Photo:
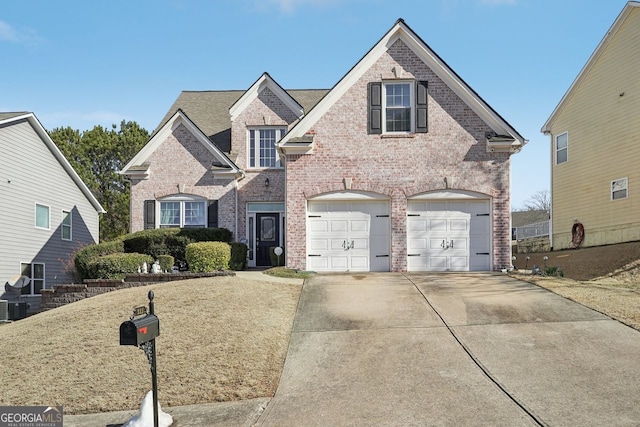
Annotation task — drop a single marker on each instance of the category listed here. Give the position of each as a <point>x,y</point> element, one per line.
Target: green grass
<point>288,273</point>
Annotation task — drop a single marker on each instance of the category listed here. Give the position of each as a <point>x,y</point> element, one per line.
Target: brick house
<point>401,166</point>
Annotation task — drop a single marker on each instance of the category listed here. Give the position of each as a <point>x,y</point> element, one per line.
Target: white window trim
<point>283,132</point>
<point>182,198</point>
<point>48,227</point>
<point>555,148</point>
<point>251,230</point>
<point>44,276</point>
<point>412,105</point>
<point>626,188</point>
<point>63,225</point>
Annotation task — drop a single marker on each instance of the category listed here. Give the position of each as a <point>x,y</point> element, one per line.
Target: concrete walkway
<point>439,350</point>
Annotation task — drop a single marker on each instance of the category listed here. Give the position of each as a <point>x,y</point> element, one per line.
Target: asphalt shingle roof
<point>209,110</point>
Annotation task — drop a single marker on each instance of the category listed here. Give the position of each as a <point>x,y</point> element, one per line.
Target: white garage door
<point>447,235</point>
<point>348,236</point>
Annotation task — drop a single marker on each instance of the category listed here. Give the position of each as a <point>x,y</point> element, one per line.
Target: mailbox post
<point>141,330</point>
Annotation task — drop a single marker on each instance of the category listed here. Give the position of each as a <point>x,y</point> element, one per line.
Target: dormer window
<point>262,147</point>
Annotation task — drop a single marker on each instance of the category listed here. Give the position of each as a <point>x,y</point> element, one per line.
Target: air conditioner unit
<point>4,310</point>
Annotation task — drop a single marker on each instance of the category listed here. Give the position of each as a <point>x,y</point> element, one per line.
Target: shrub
<point>172,241</point>
<point>147,241</point>
<point>166,262</point>
<point>206,234</point>
<point>117,266</point>
<point>553,271</point>
<point>238,256</point>
<point>274,257</point>
<point>86,255</point>
<point>204,257</point>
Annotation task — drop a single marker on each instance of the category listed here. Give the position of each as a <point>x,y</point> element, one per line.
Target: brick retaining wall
<point>61,295</point>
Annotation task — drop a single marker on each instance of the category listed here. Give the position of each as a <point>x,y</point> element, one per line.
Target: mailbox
<point>139,330</point>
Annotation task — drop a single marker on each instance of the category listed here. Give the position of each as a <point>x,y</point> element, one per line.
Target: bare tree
<point>539,201</point>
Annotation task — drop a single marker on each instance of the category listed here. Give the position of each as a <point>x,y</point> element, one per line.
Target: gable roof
<point>8,119</point>
<point>624,14</point>
<point>139,167</point>
<point>209,110</point>
<point>401,31</point>
<point>265,82</point>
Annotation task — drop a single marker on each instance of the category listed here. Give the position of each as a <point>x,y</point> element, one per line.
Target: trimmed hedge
<point>166,262</point>
<point>204,257</point>
<point>172,241</point>
<point>238,256</point>
<point>88,254</point>
<point>117,266</point>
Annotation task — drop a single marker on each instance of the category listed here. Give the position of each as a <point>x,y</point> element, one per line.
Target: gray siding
<point>30,174</point>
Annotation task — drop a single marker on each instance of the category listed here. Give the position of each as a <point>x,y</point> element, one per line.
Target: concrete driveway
<point>453,349</point>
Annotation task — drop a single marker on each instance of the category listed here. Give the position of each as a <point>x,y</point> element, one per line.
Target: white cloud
<point>7,33</point>
<point>23,35</point>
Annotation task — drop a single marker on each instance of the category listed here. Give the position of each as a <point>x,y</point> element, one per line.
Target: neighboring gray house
<point>47,211</point>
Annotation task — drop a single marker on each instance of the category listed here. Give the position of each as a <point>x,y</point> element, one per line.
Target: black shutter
<point>149,214</point>
<point>421,107</point>
<point>212,214</point>
<point>374,124</point>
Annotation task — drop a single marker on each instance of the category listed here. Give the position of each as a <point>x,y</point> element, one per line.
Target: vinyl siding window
<point>619,188</point>
<point>562,148</point>
<point>42,216</point>
<point>65,228</point>
<point>262,147</point>
<point>35,272</point>
<point>398,107</point>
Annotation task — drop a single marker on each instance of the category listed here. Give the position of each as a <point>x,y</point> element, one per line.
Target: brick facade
<point>454,149</point>
<point>451,156</point>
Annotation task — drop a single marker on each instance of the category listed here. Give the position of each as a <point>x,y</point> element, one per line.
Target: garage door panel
<point>359,263</point>
<point>416,225</point>
<point>459,225</point>
<point>319,226</point>
<point>319,244</point>
<point>361,225</point>
<point>438,225</point>
<point>457,234</point>
<point>339,263</point>
<point>438,262</point>
<point>355,236</point>
<point>338,226</point>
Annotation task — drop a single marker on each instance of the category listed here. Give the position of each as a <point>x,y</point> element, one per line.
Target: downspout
<point>235,231</point>
<point>548,132</point>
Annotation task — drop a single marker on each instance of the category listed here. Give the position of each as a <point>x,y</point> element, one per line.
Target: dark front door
<point>267,236</point>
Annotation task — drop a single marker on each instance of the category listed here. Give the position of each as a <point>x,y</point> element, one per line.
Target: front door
<point>267,236</point>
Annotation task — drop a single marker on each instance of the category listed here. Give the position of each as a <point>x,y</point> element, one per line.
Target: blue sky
<point>86,63</point>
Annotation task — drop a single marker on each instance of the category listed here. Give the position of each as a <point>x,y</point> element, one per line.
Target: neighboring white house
<point>46,213</point>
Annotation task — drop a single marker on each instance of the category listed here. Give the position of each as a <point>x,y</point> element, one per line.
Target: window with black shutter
<point>149,214</point>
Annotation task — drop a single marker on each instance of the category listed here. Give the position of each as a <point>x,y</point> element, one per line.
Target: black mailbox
<point>140,330</point>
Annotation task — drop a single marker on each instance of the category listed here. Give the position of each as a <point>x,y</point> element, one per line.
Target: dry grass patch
<point>221,338</point>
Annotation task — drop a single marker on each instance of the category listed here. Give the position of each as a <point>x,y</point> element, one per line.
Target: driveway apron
<point>452,349</point>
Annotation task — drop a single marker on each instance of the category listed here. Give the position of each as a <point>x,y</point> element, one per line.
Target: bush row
<point>168,246</point>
